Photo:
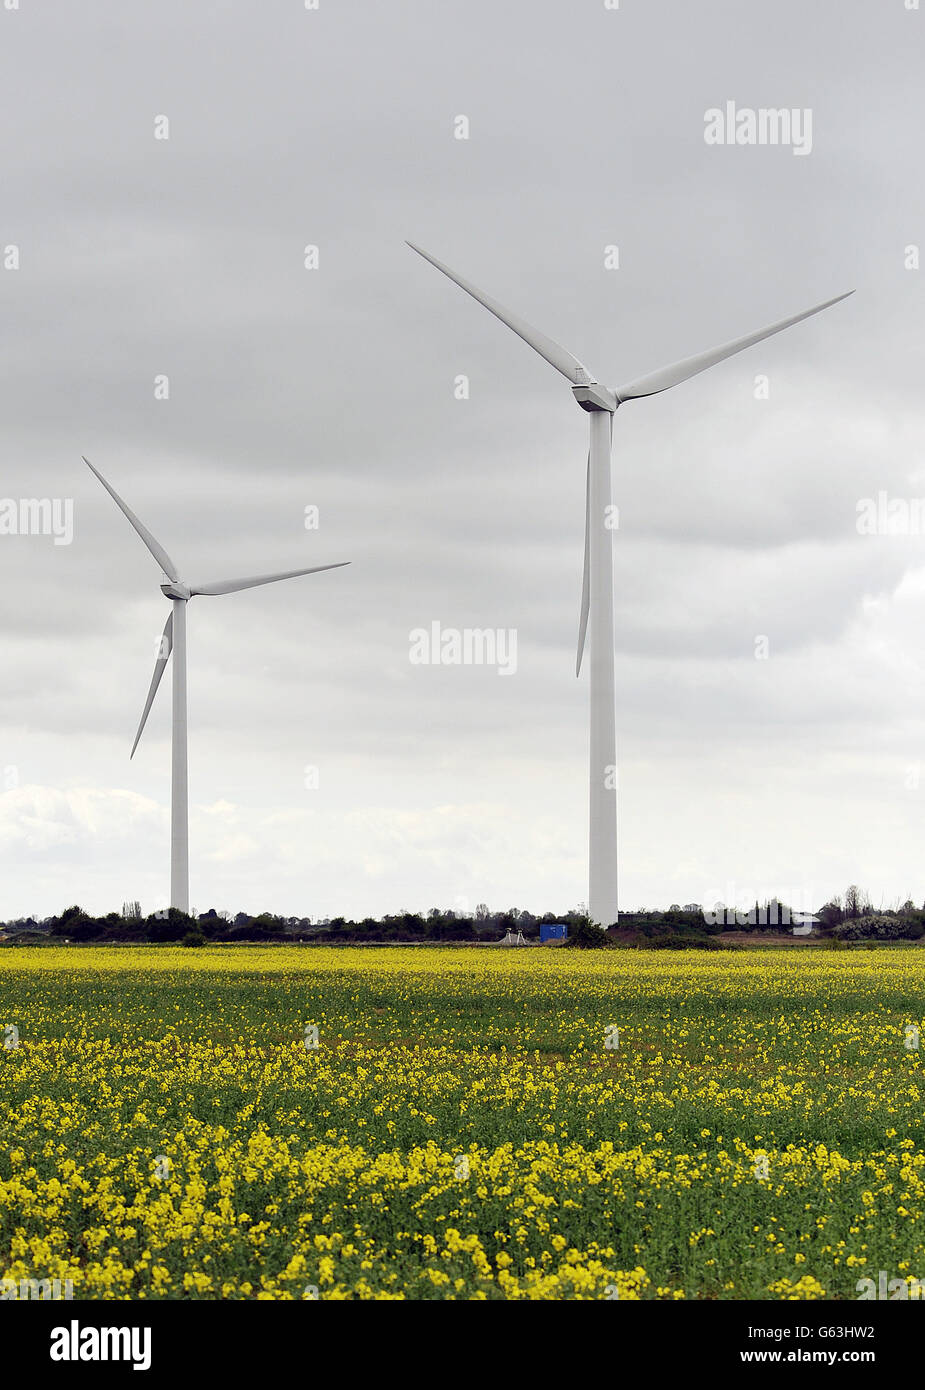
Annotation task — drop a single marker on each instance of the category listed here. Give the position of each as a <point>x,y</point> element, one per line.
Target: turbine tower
<point>174,640</point>
<point>601,403</point>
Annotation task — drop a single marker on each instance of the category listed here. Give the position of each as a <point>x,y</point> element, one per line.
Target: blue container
<point>553,931</point>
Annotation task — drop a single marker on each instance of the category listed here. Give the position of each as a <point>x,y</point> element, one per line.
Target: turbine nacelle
<point>175,590</point>
<point>593,396</point>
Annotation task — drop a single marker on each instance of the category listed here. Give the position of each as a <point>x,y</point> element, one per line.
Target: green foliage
<point>586,936</point>
<point>879,927</point>
<point>671,929</point>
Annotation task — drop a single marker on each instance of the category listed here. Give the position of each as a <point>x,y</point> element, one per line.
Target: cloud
<point>335,388</point>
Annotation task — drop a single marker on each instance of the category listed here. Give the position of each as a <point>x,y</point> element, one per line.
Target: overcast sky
<point>334,388</point>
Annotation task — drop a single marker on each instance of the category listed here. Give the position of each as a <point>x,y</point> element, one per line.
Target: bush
<point>877,927</point>
<point>585,936</point>
<point>172,927</point>
<point>194,938</point>
<point>884,928</point>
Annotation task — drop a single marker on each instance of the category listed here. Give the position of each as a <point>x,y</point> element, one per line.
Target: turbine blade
<point>690,366</point>
<point>231,586</point>
<point>160,664</point>
<point>586,576</point>
<point>556,355</point>
<point>156,549</point>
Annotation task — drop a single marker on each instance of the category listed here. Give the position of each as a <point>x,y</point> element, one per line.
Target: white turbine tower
<point>174,640</point>
<point>597,588</point>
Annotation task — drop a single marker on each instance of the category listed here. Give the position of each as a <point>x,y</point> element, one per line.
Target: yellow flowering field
<point>464,1124</point>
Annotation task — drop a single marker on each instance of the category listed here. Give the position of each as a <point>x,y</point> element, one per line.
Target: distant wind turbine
<point>174,640</point>
<point>597,587</point>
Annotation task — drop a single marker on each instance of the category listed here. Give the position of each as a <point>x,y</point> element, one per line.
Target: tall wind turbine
<point>174,640</point>
<point>601,402</point>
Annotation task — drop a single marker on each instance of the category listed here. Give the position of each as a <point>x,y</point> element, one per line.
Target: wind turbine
<point>601,402</point>
<point>174,640</point>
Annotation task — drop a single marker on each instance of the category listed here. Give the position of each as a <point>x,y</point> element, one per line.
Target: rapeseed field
<point>286,1123</point>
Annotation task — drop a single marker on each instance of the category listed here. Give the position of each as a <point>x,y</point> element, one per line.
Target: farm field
<point>462,1130</point>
